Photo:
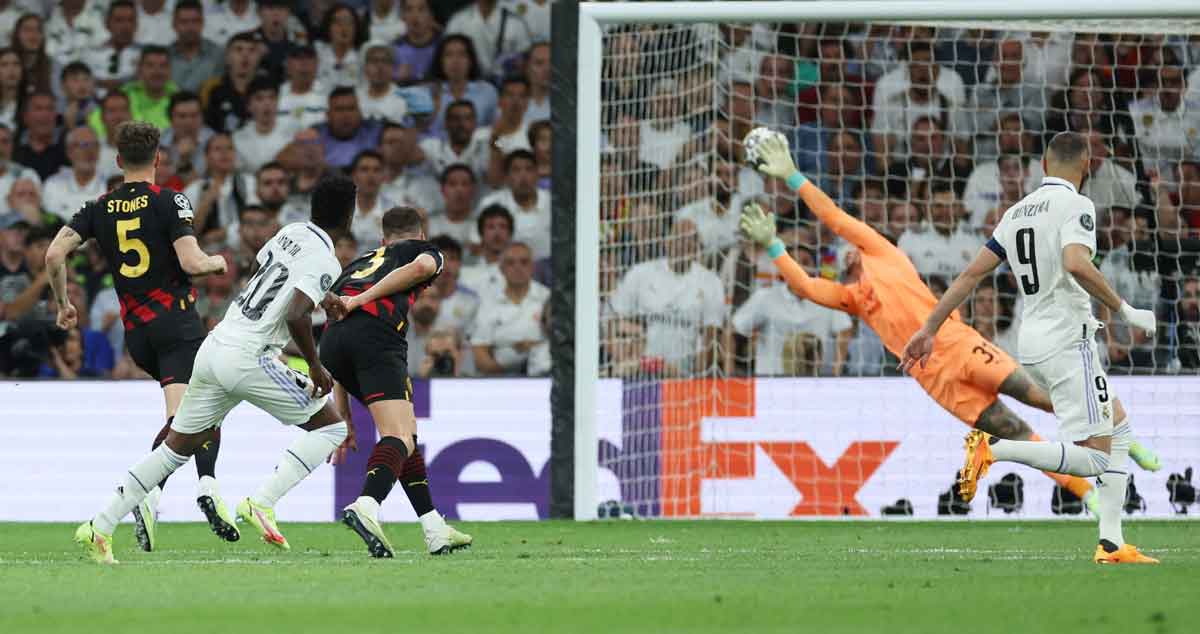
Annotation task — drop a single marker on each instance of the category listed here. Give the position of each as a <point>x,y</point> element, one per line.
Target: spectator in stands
<point>1108,184</point>
<point>969,52</point>
<point>304,159</point>
<point>708,190</point>
<point>993,184</point>
<point>37,59</point>
<point>273,189</point>
<point>41,148</point>
<point>226,98</point>
<point>12,86</point>
<point>187,137</point>
<point>378,95</point>
<point>222,192</point>
<point>930,161</point>
<point>508,324</point>
<point>408,177</point>
<point>495,227</point>
<point>1004,89</point>
<point>983,190</point>
<point>260,140</point>
<point>774,314</point>
<point>303,102</point>
<point>464,142</point>
<point>384,20</point>
<point>774,106</point>
<point>443,356</point>
<point>255,226</point>
<point>902,217</point>
<point>529,206</point>
<point>279,32</point>
<point>24,294</point>
<point>113,111</point>
<point>115,61</point>
<point>25,200</point>
<point>1189,193</point>
<point>78,92</point>
<point>1087,104</point>
<point>1132,270</point>
<point>68,361</point>
<point>367,172</point>
<point>508,133</point>
<point>992,319</point>
<point>346,133</point>
<point>223,20</point>
<point>622,87</point>
<point>11,172</point>
<point>1047,59</point>
<point>150,94</point>
<point>75,27</point>
<point>153,23</point>
<point>460,305</point>
<point>345,247</point>
<point>842,167</point>
<point>497,31</point>
<point>1189,323</point>
<point>456,74</point>
<point>14,275</point>
<point>415,50</point>
<point>925,95</point>
<point>537,73</point>
<point>810,140</point>
<point>423,314</point>
<point>673,306</point>
<point>459,188</point>
<point>194,58</point>
<point>69,189</point>
<point>1167,121</point>
<point>338,43</point>
<point>834,71</point>
<point>942,248</point>
<point>663,134</point>
<point>541,140</point>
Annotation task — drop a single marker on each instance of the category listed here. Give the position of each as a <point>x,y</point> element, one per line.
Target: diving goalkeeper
<point>966,373</point>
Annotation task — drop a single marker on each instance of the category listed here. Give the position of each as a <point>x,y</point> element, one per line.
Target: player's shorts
<point>1078,389</point>
<point>226,375</point>
<point>965,372</point>
<point>367,358</point>
<point>166,347</point>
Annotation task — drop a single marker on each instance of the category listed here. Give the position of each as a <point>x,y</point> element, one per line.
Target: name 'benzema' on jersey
<point>1031,237</point>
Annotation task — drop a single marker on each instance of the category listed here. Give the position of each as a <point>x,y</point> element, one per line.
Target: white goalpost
<point>678,411</point>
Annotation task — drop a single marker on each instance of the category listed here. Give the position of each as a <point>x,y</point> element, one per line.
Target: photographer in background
<point>443,355</point>
<point>422,315</point>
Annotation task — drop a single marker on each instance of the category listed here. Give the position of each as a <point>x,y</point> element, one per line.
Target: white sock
<point>153,497</point>
<point>306,454</point>
<point>1111,486</point>
<point>1059,457</point>
<point>139,481</point>
<point>431,521</point>
<point>207,486</point>
<point>369,505</point>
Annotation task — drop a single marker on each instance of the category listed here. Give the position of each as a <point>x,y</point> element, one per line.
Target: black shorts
<point>367,358</point>
<point>166,347</point>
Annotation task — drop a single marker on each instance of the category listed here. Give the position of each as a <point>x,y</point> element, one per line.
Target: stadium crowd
<point>439,104</point>
<point>927,135</point>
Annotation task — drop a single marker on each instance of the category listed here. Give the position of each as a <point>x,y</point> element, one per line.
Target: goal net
<point>739,399</point>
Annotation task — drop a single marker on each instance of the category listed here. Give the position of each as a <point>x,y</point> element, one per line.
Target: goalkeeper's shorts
<point>965,372</point>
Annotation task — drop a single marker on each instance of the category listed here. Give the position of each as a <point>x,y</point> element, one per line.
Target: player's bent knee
<point>186,444</point>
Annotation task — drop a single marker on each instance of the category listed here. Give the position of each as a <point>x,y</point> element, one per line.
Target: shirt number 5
<point>126,244</point>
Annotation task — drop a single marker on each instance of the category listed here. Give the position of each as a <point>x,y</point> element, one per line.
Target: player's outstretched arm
<point>63,244</point>
<point>1077,260</point>
<point>759,227</point>
<point>194,261</point>
<point>770,154</point>
<point>398,281</point>
<point>299,323</point>
<point>920,346</point>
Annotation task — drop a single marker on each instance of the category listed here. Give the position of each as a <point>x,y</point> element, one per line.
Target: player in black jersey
<point>367,354</point>
<point>145,234</point>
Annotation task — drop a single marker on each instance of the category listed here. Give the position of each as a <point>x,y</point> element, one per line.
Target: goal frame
<point>594,16</point>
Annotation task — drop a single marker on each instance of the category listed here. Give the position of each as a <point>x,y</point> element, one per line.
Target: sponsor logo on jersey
<point>184,205</point>
<point>326,282</point>
<point>1086,222</point>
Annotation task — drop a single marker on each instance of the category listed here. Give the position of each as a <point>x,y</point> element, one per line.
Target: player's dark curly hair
<point>402,220</point>
<point>333,203</point>
<point>137,143</point>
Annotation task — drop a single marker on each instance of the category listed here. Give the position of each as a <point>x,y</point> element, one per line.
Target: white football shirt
<point>299,257</point>
<point>1031,236</point>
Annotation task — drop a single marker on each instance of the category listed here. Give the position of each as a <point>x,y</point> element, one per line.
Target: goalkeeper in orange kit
<point>966,374</point>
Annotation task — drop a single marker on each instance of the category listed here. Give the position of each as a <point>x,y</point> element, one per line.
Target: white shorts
<point>225,375</point>
<point>1079,391</point>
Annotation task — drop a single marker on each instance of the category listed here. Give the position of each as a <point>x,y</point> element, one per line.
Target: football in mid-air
<point>753,142</point>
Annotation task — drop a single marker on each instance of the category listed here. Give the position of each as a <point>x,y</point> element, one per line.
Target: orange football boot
<point>1127,554</point>
<point>979,458</point>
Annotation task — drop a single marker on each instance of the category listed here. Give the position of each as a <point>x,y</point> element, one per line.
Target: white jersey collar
<point>1054,180</point>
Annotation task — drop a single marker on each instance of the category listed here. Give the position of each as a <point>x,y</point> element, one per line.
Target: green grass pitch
<point>685,577</point>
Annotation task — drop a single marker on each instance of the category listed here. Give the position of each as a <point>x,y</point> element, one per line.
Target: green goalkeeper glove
<point>771,153</point>
<point>758,225</point>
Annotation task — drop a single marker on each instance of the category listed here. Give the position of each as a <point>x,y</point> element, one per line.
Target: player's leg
<point>287,395</point>
<point>440,537</point>
<point>396,422</point>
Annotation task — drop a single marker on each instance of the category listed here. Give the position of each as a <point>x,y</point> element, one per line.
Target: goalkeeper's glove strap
<point>776,248</point>
<point>796,180</point>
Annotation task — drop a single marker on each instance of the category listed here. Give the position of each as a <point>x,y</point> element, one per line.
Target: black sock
<point>206,455</point>
<point>383,467</point>
<point>415,482</point>
<point>158,440</point>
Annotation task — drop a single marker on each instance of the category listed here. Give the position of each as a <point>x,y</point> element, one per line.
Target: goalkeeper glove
<point>1143,320</point>
<point>758,225</point>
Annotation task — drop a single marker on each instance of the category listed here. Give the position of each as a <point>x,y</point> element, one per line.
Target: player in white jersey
<point>1048,240</point>
<point>239,361</point>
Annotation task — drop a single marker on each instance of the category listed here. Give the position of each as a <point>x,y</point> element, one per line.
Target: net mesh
<point>926,133</point>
